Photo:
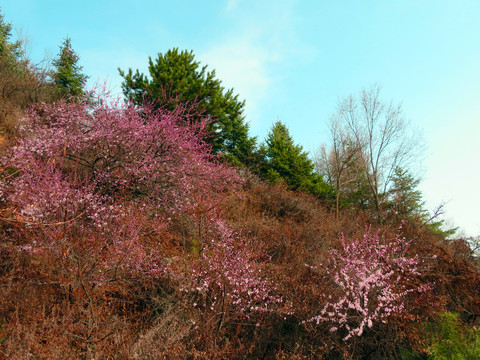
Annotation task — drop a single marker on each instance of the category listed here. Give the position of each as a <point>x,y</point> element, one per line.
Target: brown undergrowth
<point>41,318</point>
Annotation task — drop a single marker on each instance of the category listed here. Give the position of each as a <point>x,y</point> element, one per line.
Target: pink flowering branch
<point>110,172</point>
<point>228,274</point>
<point>371,275</point>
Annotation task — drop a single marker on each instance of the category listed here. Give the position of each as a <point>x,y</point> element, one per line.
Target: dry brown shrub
<point>144,320</point>
<point>168,338</point>
<point>21,84</point>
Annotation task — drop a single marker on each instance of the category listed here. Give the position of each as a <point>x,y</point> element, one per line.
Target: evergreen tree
<point>406,201</point>
<point>288,162</point>
<point>68,76</point>
<point>9,51</point>
<point>404,196</point>
<point>178,74</point>
<point>21,83</point>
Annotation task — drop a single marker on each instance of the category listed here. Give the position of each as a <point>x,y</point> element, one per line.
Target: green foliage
<point>405,200</point>
<point>449,338</point>
<point>404,196</point>
<point>178,74</point>
<point>288,162</point>
<point>356,191</point>
<point>68,76</point>
<point>21,83</point>
<point>9,50</point>
<point>13,63</point>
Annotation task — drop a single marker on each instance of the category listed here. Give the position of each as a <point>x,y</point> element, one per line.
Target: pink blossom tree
<point>90,168</point>
<point>93,187</point>
<point>372,276</point>
<point>229,276</point>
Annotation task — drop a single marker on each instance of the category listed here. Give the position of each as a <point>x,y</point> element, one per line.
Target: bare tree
<point>340,165</point>
<point>372,135</point>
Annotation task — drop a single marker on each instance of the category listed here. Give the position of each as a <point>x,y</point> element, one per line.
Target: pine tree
<point>288,162</point>
<point>68,76</point>
<point>404,196</point>
<point>405,200</point>
<point>10,51</point>
<point>175,77</point>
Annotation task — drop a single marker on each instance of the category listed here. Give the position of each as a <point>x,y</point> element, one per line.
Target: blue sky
<point>292,60</point>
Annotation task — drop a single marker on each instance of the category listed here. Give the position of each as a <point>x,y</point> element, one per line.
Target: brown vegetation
<point>142,320</point>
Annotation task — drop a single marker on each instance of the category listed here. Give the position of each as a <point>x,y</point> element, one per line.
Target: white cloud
<point>241,65</point>
<point>231,4</point>
<point>261,37</point>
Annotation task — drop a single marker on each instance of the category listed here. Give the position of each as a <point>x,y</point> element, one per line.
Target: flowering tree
<point>92,185</point>
<point>232,265</point>
<point>372,277</point>
<point>227,277</point>
<point>83,168</point>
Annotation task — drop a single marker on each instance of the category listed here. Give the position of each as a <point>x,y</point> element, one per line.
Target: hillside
<point>128,233</point>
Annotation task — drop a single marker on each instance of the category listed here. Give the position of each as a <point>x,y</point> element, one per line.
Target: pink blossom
<point>372,274</point>
<point>96,178</point>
